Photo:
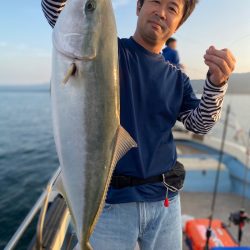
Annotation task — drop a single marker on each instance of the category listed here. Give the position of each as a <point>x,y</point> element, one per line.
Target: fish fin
<point>59,188</point>
<point>58,185</point>
<point>71,71</point>
<point>88,246</point>
<point>124,142</point>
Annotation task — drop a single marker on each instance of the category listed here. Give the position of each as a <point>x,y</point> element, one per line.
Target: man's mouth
<point>156,25</point>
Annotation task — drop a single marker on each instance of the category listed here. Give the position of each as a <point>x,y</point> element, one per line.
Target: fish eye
<point>90,6</point>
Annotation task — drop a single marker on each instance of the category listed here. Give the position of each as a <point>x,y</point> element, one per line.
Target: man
<point>154,94</point>
<point>170,53</point>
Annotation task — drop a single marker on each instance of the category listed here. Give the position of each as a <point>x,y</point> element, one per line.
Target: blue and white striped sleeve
<point>52,9</point>
<point>201,119</point>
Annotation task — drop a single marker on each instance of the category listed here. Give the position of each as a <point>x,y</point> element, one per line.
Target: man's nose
<point>161,12</point>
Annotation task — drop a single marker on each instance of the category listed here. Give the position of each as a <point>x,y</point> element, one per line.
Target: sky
<point>25,37</point>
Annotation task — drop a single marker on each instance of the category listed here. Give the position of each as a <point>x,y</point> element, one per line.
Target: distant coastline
<point>45,87</point>
<point>239,83</point>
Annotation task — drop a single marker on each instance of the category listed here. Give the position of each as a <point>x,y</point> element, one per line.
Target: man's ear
<point>138,7</point>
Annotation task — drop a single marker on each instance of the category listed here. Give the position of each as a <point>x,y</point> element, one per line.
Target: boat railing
<point>28,219</point>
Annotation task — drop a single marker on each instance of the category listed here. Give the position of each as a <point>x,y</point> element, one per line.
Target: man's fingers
<point>213,68</point>
<point>217,77</point>
<point>219,62</point>
<point>224,54</point>
<point>230,54</point>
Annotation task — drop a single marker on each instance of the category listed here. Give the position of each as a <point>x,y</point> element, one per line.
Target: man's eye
<point>156,1</point>
<point>173,10</point>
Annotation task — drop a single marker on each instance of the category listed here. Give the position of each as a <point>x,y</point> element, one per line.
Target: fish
<point>85,101</point>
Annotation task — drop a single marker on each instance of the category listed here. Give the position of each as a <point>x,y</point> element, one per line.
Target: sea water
<point>28,156</point>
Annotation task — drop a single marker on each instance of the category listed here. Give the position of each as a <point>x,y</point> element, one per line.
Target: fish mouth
<point>89,57</point>
<point>72,48</point>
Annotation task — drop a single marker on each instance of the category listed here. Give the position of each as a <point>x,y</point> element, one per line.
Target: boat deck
<point>199,205</point>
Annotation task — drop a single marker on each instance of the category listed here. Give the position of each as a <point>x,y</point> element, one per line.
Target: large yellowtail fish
<point>86,108</point>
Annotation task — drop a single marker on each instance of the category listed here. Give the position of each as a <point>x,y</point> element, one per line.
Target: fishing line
<point>209,231</point>
<point>238,40</point>
<point>243,202</point>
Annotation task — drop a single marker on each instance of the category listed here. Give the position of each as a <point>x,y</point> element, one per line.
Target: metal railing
<point>28,219</point>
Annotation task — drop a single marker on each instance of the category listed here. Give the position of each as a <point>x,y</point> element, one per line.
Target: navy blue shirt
<point>152,93</point>
<point>171,56</point>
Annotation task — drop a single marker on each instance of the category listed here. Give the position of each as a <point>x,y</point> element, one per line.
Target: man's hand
<point>221,64</point>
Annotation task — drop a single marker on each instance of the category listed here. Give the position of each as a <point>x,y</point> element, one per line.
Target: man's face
<point>173,45</point>
<point>159,19</point>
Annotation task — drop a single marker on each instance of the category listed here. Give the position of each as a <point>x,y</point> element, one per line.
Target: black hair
<point>170,40</point>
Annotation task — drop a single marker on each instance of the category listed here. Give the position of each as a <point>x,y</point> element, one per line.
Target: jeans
<point>152,225</point>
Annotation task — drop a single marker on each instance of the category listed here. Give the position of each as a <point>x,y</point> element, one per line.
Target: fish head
<point>91,23</point>
<point>79,28</point>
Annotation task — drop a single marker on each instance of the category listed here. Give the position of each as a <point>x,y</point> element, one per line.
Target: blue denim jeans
<point>152,225</point>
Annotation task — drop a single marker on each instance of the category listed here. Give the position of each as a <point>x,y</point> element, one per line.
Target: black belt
<point>122,181</point>
<point>172,179</point>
